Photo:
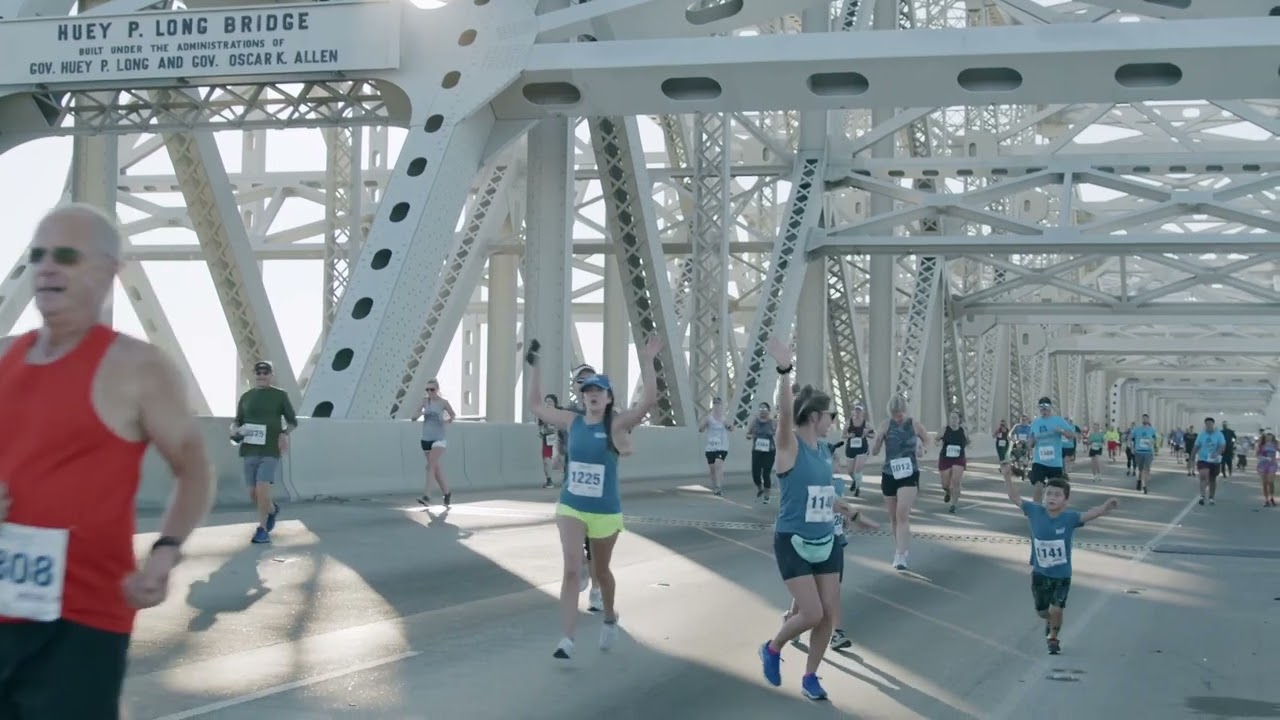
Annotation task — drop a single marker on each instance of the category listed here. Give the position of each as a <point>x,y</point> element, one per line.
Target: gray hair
<point>897,404</point>
<point>104,233</point>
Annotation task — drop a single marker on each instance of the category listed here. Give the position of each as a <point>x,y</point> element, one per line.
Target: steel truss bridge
<point>973,202</point>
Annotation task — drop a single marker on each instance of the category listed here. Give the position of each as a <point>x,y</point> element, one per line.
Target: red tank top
<point>65,469</point>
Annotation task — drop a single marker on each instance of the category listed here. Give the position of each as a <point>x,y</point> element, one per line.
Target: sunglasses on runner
<point>61,255</point>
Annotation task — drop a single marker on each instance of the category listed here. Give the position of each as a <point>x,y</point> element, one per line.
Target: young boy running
<point>1052,527</point>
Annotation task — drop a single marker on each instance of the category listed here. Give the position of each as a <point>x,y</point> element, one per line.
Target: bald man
<point>81,405</point>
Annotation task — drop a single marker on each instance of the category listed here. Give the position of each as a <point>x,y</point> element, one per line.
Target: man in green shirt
<point>263,439</point>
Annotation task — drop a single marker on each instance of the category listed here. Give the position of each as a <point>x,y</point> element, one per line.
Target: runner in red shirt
<point>81,404</point>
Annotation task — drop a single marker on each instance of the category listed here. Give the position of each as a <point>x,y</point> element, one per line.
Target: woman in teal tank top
<point>590,507</point>
<point>804,539</point>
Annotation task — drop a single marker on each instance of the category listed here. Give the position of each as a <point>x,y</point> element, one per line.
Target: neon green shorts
<point>599,525</point>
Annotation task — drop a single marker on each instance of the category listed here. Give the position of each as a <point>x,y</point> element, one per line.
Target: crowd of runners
<point>70,585</point>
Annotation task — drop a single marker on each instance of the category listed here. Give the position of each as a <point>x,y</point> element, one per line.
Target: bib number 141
<point>32,571</point>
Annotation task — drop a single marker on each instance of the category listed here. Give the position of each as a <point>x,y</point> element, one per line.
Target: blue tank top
<point>807,507</point>
<point>591,484</point>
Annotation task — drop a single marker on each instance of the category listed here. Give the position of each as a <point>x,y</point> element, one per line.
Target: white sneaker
<point>564,649</point>
<point>596,600</point>
<point>584,580</point>
<point>608,635</point>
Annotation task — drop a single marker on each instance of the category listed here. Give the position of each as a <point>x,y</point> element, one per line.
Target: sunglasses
<point>65,256</point>
<point>261,372</point>
<point>433,389</point>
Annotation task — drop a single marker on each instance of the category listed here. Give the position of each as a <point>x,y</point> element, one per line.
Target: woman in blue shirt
<point>590,500</point>
<point>804,538</point>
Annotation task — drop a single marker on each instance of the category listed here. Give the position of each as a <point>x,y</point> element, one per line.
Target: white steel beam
<point>634,233</point>
<point>454,283</point>
<point>1063,240</point>
<point>1168,313</point>
<point>1217,346</point>
<point>639,19</point>
<point>1191,9</point>
<point>215,217</point>
<point>709,338</point>
<point>1192,161</point>
<point>1120,62</point>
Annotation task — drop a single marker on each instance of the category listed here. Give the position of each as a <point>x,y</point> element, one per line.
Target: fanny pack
<point>813,551</point>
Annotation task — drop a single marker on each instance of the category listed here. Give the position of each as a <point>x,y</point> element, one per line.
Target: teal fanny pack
<point>813,551</point>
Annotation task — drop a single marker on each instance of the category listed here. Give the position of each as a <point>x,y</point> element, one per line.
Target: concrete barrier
<point>350,458</point>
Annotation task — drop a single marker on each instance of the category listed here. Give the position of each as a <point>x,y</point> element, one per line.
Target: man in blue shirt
<point>1144,445</point>
<point>1209,446</point>
<point>1047,433</point>
<point>1052,528</point>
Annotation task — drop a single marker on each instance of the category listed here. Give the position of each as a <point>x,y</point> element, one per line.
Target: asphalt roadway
<point>376,608</point>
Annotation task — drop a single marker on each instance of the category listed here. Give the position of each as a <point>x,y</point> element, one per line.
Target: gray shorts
<point>1142,461</point>
<point>260,469</point>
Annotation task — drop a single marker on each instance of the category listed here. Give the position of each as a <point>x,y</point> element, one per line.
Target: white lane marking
<point>1040,667</point>
<point>277,689</point>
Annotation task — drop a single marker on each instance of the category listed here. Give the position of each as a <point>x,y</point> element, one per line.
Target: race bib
<point>1050,553</point>
<point>715,444</point>
<point>901,468</point>
<point>855,443</point>
<point>550,440</point>
<point>33,568</point>
<point>763,445</point>
<point>821,507</point>
<point>1144,444</point>
<point>254,434</point>
<point>1001,443</point>
<point>1045,453</point>
<point>953,451</point>
<point>586,479</point>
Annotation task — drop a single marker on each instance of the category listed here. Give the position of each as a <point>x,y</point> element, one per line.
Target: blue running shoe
<point>810,688</point>
<point>271,517</point>
<point>772,665</point>
<point>261,536</point>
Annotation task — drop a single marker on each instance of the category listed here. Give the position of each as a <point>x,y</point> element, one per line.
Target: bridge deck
<point>375,609</point>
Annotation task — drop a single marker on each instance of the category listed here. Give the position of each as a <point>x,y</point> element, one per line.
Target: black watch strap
<point>167,541</point>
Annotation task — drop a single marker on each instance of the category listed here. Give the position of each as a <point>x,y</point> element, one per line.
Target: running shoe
<point>811,688</point>
<point>271,516</point>
<point>772,662</point>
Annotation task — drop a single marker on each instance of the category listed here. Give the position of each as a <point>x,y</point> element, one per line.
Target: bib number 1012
<point>22,569</point>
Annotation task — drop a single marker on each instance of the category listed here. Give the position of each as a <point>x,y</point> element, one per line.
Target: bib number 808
<point>20,569</point>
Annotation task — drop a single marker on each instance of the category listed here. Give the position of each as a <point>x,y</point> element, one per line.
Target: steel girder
<point>780,292</point>
<point>710,338</point>
<point>634,234</point>
<point>215,217</point>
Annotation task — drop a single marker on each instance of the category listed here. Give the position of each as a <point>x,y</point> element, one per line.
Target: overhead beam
<point>1120,62</point>
<point>1063,240</point>
<point>1169,313</point>
<point>1101,345</point>
<point>1189,162</point>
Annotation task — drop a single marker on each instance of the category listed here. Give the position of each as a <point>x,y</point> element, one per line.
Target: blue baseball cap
<point>599,381</point>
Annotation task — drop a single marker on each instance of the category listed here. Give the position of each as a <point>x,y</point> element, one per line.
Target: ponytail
<point>608,425</point>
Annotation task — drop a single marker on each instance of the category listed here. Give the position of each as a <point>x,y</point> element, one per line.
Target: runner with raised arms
<point>591,501</point>
<point>804,542</point>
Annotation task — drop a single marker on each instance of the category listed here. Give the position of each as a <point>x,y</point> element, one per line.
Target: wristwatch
<point>168,541</point>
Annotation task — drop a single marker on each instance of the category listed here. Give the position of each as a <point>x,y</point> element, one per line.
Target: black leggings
<point>762,469</point>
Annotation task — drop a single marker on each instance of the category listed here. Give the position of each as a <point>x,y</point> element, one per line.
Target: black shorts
<point>791,565</point>
<point>855,452</point>
<point>1049,591</point>
<point>1041,473</point>
<point>1002,453</point>
<point>60,670</point>
<point>428,444</point>
<point>889,486</point>
<point>1213,468</point>
<point>1095,452</point>
<point>1069,453</point>
<point>721,455</point>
